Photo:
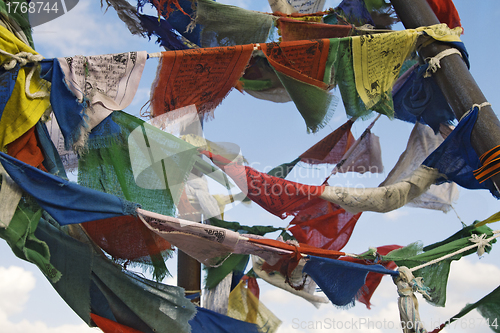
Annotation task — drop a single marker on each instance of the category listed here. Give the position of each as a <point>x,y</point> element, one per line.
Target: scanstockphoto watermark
<point>364,324</point>
<point>39,11</point>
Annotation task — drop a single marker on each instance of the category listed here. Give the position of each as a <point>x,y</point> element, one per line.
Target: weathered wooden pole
<point>458,86</point>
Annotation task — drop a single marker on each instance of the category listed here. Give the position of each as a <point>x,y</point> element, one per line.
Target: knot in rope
<point>478,106</point>
<point>434,62</point>
<point>408,284</point>
<point>21,58</point>
<point>481,242</point>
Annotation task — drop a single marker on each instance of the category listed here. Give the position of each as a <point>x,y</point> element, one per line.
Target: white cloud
<point>395,215</point>
<point>84,30</point>
<point>15,286</point>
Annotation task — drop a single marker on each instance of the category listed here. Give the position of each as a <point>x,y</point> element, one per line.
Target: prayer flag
<point>244,306</point>
<point>421,143</point>
<point>197,76</point>
<point>21,112</point>
<point>341,280</point>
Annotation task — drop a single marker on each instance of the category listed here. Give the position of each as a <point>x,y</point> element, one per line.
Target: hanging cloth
<point>420,99</point>
<point>90,282</point>
<point>446,12</point>
<point>21,111</point>
<point>456,159</point>
<point>278,196</point>
<point>200,76</point>
<point>488,307</point>
<point>436,275</point>
<point>244,306</point>
<point>385,198</point>
<point>101,84</point>
<point>298,6</point>
<point>7,82</point>
<point>303,70</point>
<point>67,202</point>
<point>166,35</point>
<point>225,25</point>
<point>355,12</point>
<point>373,279</point>
<point>20,235</point>
<point>324,225</point>
<point>421,143</point>
<point>109,326</point>
<point>278,280</point>
<point>207,321</point>
<point>291,29</point>
<point>332,148</point>
<point>364,155</point>
<point>341,280</point>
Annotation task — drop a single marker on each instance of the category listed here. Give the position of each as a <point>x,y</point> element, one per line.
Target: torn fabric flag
<point>420,99</point>
<point>225,25</point>
<point>300,6</point>
<point>92,283</point>
<point>421,143</point>
<point>208,244</point>
<point>278,280</point>
<point>65,201</point>
<point>167,36</point>
<point>278,196</point>
<point>341,280</point>
<point>332,148</point>
<point>456,159</point>
<point>102,84</point>
<point>304,71</point>
<point>110,326</point>
<point>291,29</point>
<point>20,235</point>
<point>382,199</point>
<point>244,306</point>
<point>324,225</point>
<point>355,12</point>
<point>446,12</point>
<point>207,321</point>
<point>21,112</point>
<point>7,83</point>
<point>488,307</point>
<point>373,279</point>
<point>436,275</point>
<point>364,155</point>
<point>199,76</point>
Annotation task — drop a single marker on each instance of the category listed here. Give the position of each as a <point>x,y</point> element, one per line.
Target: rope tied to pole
<point>434,62</point>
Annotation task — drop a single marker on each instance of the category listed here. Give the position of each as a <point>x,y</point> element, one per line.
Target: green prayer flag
<point>436,275</point>
<point>20,235</point>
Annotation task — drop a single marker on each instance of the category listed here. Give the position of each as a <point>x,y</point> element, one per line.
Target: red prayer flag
<point>324,225</point>
<point>278,196</point>
<point>446,12</point>
<point>201,76</point>
<point>332,148</point>
<point>109,326</point>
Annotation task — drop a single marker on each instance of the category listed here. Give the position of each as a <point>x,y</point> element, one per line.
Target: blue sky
<point>270,134</point>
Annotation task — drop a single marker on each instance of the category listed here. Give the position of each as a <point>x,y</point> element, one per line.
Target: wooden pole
<point>457,84</point>
<point>188,268</point>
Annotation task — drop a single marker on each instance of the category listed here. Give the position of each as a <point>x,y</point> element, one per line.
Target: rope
<point>479,106</point>
<point>24,58</point>
<point>434,62</point>
<point>479,241</point>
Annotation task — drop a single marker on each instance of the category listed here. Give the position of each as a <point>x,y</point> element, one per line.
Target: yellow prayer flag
<point>243,305</point>
<point>21,112</point>
<point>378,58</point>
